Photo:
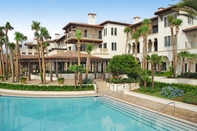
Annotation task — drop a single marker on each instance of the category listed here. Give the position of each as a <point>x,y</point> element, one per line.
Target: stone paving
<point>150,104</point>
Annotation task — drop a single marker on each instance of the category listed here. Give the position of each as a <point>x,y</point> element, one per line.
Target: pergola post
<point>29,71</point>
<point>51,74</point>
<point>56,69</point>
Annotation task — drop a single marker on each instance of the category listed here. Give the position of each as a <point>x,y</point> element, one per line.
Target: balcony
<point>100,51</point>
<point>28,51</point>
<point>191,44</point>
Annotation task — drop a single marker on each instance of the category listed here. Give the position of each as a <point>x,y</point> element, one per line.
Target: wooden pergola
<point>69,56</point>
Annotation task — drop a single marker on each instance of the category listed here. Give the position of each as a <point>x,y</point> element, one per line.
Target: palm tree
<point>78,35</point>
<point>186,8</point>
<point>36,27</point>
<point>2,42</point>
<point>19,37</point>
<point>136,36</point>
<point>46,44</point>
<point>183,55</point>
<point>89,48</point>
<point>159,61</point>
<point>177,23</point>
<point>43,35</point>
<point>127,31</point>
<point>144,30</point>
<point>171,22</point>
<point>7,27</point>
<point>11,46</point>
<point>152,59</point>
<point>191,58</point>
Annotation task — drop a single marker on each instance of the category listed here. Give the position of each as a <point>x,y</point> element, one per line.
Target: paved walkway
<point>183,110</point>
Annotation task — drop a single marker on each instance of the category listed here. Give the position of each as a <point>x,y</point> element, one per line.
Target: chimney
<point>160,8</point>
<point>136,19</point>
<point>57,36</point>
<point>92,19</point>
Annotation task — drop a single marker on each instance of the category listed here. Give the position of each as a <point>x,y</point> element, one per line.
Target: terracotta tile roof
<point>194,28</point>
<point>28,57</point>
<point>114,22</point>
<point>163,10</point>
<point>82,25</point>
<point>139,23</point>
<point>70,54</point>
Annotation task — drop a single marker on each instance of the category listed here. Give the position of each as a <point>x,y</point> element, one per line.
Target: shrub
<point>190,97</point>
<point>60,80</point>
<point>23,79</point>
<point>171,92</point>
<point>87,81</point>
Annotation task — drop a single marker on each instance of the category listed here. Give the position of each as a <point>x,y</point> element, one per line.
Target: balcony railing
<point>100,50</point>
<point>191,44</point>
<point>88,35</point>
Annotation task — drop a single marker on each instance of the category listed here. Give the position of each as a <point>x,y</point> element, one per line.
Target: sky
<point>55,14</point>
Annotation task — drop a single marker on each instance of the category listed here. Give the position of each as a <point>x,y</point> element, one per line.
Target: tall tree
<point>36,27</point>
<point>152,59</point>
<point>2,42</point>
<point>43,35</point>
<point>78,35</point>
<point>7,27</point>
<point>171,23</point>
<point>191,57</point>
<point>183,55</point>
<point>127,31</point>
<point>136,36</point>
<point>11,46</point>
<point>186,8</point>
<point>144,30</point>
<point>19,37</point>
<point>89,48</point>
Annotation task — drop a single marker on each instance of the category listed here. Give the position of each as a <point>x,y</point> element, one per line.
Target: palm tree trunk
<point>40,66</point>
<point>12,65</point>
<point>43,64</point>
<point>152,71</point>
<point>173,53</point>
<point>2,60</point>
<point>87,67</point>
<point>6,49</point>
<point>190,65</point>
<point>16,62</point>
<point>79,60</point>
<point>126,43</point>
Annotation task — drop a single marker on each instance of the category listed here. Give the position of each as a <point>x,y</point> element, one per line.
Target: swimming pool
<point>80,114</point>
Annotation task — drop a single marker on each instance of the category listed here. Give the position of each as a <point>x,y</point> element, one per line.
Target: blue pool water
<point>79,114</point>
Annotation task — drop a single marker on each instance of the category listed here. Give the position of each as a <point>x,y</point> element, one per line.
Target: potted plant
<point>23,80</point>
<point>2,78</point>
<point>60,80</point>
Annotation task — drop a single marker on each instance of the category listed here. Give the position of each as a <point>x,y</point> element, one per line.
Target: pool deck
<point>182,110</point>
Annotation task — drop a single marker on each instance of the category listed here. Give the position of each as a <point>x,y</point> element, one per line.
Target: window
<point>104,45</point>
<point>113,46</point>
<point>165,22</point>
<point>83,47</point>
<point>167,41</point>
<point>100,45</point>
<point>112,31</point>
<point>106,31</point>
<point>190,20</point>
<point>163,66</point>
<point>155,29</point>
<point>115,31</point>
<point>100,34</point>
<point>85,33</point>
